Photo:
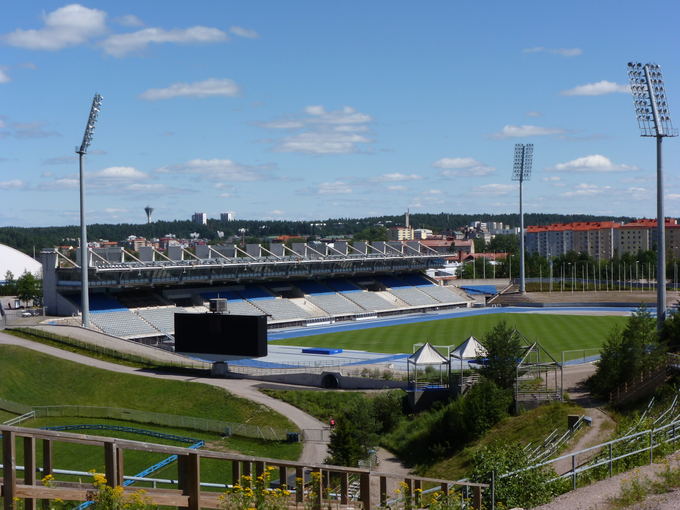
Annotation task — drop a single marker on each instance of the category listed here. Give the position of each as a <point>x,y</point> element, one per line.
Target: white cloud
<point>12,184</point>
<point>323,131</point>
<point>244,32</point>
<point>217,170</point>
<point>553,178</point>
<point>207,88</point>
<point>334,188</point>
<point>564,52</point>
<point>397,187</point>
<point>117,173</point>
<point>31,130</point>
<point>129,20</point>
<point>493,189</point>
<point>453,167</point>
<point>592,163</point>
<point>597,89</point>
<point>277,212</point>
<point>534,114</point>
<point>67,26</point>
<point>586,190</point>
<point>120,45</point>
<point>396,177</point>
<point>510,131</point>
<point>4,77</point>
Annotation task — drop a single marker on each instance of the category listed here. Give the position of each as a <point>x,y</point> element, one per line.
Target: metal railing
<point>654,438</point>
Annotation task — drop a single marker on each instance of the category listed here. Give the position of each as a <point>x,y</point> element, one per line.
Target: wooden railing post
<point>259,468</point>
<point>235,472</point>
<point>365,491</point>
<point>190,479</point>
<point>113,462</point>
<point>29,469</point>
<point>477,498</point>
<point>9,471</point>
<point>383,491</point>
<point>344,488</point>
<point>299,485</point>
<point>47,466</point>
<point>417,490</point>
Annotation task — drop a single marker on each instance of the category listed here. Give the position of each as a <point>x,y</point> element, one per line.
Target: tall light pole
<point>521,171</point>
<point>654,120</point>
<point>84,252</point>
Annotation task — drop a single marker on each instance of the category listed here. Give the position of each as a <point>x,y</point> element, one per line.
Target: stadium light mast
<point>84,252</point>
<point>521,171</point>
<point>654,120</point>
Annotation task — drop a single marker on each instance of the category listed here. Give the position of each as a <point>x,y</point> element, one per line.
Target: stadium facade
<point>135,296</point>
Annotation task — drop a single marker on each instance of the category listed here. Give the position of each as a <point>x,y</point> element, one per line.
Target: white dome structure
<point>17,262</point>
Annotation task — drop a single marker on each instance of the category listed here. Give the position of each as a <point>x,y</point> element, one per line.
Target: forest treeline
<point>28,239</point>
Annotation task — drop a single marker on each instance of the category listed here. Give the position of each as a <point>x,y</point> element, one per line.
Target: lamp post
<point>654,120</point>
<point>521,171</point>
<point>84,252</point>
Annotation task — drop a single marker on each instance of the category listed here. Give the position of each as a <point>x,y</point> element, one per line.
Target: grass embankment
<point>320,404</point>
<point>35,379</point>
<point>101,353</point>
<point>529,427</point>
<point>555,333</point>
<point>6,415</point>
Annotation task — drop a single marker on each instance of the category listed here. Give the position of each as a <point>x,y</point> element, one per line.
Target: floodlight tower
<point>521,171</point>
<point>654,120</point>
<point>148,210</point>
<point>84,252</point>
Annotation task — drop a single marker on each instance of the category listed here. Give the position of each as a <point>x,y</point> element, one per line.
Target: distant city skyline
<point>311,110</point>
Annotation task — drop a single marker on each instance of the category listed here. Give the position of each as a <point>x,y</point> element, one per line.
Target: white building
<point>228,216</point>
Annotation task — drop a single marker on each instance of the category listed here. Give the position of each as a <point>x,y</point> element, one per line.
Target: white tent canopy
<point>470,349</point>
<point>17,262</point>
<point>427,355</point>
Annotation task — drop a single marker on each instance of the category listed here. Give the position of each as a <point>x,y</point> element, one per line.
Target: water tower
<point>148,210</point>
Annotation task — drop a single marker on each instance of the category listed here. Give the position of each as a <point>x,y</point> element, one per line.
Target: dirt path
<point>313,452</point>
<point>601,426</point>
<point>596,496</point>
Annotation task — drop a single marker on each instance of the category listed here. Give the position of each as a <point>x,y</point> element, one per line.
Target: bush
<point>526,489</point>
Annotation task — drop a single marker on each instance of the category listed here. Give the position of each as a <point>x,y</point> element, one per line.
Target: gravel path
<point>313,452</point>
<point>596,496</point>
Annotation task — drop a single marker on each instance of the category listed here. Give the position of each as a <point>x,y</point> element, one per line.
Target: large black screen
<point>214,333</point>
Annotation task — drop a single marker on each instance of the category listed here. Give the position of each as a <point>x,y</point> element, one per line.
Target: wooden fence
<point>188,493</point>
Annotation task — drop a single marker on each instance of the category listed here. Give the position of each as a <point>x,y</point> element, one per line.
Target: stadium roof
<point>17,262</point>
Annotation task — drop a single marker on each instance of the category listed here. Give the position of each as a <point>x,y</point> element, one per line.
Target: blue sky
<point>315,109</point>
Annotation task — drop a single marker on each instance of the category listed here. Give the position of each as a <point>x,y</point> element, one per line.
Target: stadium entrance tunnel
<point>330,380</point>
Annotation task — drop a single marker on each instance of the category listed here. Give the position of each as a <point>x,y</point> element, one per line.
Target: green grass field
<point>35,379</point>
<point>555,333</point>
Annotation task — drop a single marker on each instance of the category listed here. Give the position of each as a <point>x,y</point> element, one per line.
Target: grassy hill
<point>555,332</point>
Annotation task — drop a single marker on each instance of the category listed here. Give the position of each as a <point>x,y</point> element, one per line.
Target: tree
<point>9,288</point>
<point>371,233</point>
<point>504,351</point>
<point>626,353</point>
<point>353,436</point>
<point>29,288</point>
<point>670,333</point>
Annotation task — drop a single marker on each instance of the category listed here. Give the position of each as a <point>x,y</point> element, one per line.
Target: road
<point>313,452</point>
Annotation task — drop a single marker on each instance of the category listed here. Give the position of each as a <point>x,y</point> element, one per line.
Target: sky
<point>296,109</point>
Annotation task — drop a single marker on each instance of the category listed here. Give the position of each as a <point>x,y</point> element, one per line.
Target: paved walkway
<point>313,452</point>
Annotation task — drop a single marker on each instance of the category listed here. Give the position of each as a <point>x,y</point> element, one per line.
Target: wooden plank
<point>190,466</point>
<point>111,464</point>
<point>47,466</point>
<point>299,485</point>
<point>235,472</point>
<point>383,491</point>
<point>29,468</point>
<point>365,491</point>
<point>9,471</point>
<point>344,488</point>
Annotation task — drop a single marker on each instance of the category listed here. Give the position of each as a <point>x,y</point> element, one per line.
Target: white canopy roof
<point>17,262</point>
<point>470,349</point>
<point>427,355</point>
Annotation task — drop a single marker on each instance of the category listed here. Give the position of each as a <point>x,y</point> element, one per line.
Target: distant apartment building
<point>601,240</point>
<point>228,216</point>
<point>400,233</point>
<point>200,218</point>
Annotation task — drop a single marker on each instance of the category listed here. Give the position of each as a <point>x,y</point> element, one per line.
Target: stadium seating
<point>334,304</point>
<point>341,285</point>
<point>255,292</point>
<point>163,319</point>
<point>416,280</point>
<point>123,323</point>
<point>442,294</point>
<point>281,309</point>
<point>242,307</point>
<point>313,287</point>
<point>100,303</point>
<point>413,296</point>
<point>369,300</point>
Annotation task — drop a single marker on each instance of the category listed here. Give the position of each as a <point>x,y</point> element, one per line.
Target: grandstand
<point>136,297</point>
